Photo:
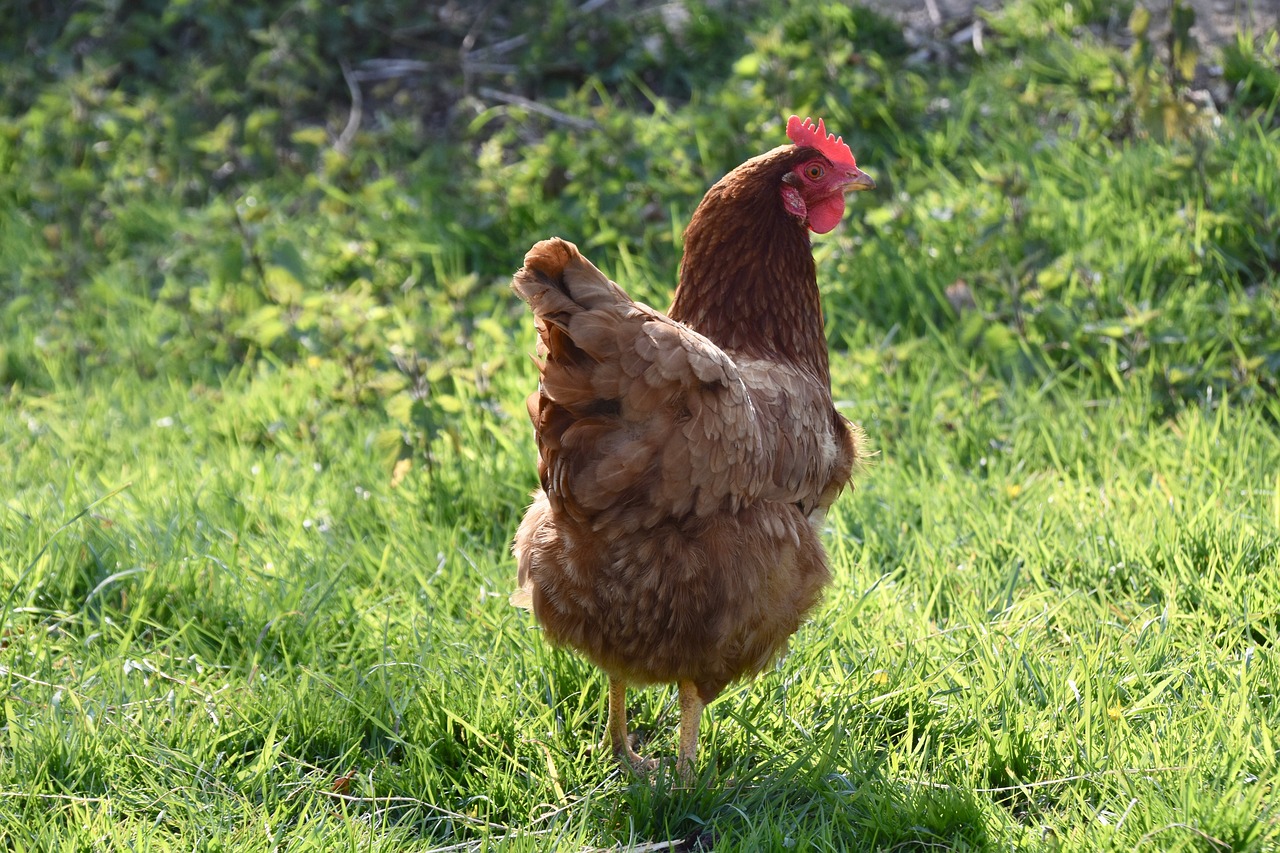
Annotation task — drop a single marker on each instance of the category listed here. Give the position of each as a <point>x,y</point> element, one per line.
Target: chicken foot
<point>617,741</point>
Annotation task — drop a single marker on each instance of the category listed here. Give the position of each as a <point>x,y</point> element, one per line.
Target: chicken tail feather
<point>557,282</point>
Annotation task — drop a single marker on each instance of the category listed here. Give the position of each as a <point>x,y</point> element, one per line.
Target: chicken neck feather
<point>761,299</point>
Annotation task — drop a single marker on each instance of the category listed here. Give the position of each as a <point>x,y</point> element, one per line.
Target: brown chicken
<point>687,460</point>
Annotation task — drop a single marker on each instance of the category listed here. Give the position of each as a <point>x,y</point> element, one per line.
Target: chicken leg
<point>617,741</point>
<point>615,738</point>
<point>691,706</point>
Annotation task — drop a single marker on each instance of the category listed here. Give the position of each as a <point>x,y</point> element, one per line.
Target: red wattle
<point>825,215</point>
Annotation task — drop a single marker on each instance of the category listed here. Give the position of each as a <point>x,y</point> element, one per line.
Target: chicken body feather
<point>674,537</point>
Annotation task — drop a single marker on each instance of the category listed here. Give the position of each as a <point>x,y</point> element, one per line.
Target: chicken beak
<point>858,180</point>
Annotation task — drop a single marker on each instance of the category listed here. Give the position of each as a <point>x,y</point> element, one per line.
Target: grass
<point>1051,619</point>
<point>265,449</point>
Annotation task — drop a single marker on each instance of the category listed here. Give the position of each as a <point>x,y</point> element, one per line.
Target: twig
<point>68,798</point>
<point>1133,801</point>
<point>567,804</point>
<point>1048,783</point>
<point>500,47</point>
<point>406,802</point>
<point>914,844</point>
<point>1081,777</point>
<point>535,107</point>
<point>471,67</point>
<point>348,135</point>
<point>509,44</point>
<point>4,670</point>
<point>481,843</point>
<point>1216,842</point>
<point>470,38</point>
<point>389,69</point>
<point>468,42</point>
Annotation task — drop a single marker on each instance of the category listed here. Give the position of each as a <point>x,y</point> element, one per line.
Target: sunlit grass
<point>1052,619</point>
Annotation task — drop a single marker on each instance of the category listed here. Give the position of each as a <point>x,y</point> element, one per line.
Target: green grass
<point>264,449</point>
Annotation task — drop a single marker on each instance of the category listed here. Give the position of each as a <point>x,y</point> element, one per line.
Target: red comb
<point>808,134</point>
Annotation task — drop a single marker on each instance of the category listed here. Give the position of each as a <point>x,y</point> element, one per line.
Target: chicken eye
<point>813,172</point>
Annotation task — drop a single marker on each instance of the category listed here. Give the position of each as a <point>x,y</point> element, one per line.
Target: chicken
<point>687,459</point>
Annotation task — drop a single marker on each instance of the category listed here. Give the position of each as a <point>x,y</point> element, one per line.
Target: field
<point>263,441</point>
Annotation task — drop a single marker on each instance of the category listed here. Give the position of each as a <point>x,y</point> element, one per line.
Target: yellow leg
<point>615,738</point>
<point>691,706</point>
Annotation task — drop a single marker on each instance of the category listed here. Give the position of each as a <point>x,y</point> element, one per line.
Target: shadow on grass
<point>800,802</point>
